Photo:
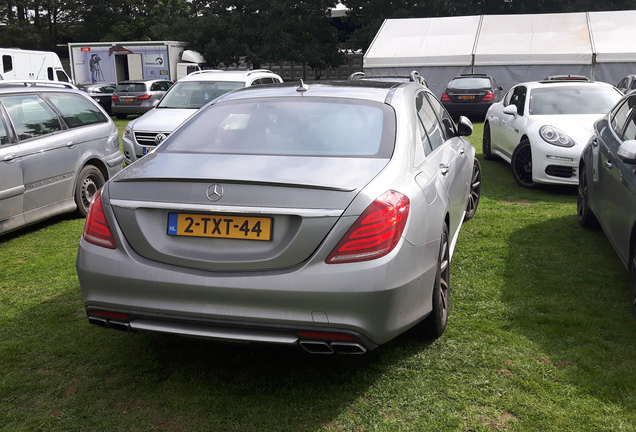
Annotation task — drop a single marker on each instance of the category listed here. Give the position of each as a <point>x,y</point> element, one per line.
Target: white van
<point>18,64</point>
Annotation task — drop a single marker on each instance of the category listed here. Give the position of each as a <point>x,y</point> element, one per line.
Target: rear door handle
<point>608,164</point>
<point>9,158</point>
<point>70,144</point>
<point>443,169</point>
<point>594,143</point>
<point>461,151</point>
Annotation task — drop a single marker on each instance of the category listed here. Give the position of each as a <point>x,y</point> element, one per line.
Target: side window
<point>622,84</point>
<point>61,76</point>
<point>519,98</point>
<point>269,81</point>
<point>49,73</point>
<point>447,121</point>
<point>431,124</point>
<point>156,87</point>
<point>4,137</point>
<point>257,82</point>
<point>630,126</point>
<point>426,143</point>
<point>508,97</point>
<point>167,85</point>
<point>633,86</point>
<point>619,118</point>
<point>76,110</point>
<point>7,63</point>
<point>31,116</point>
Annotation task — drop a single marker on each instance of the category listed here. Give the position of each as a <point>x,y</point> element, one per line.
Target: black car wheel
<point>485,143</point>
<point>435,323</point>
<point>521,164</point>
<point>585,216</point>
<point>121,116</point>
<point>475,191</point>
<point>89,181</point>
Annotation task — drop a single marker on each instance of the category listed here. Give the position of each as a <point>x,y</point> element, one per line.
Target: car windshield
<point>131,87</point>
<point>195,94</point>
<point>573,100</point>
<point>289,127</point>
<point>469,83</point>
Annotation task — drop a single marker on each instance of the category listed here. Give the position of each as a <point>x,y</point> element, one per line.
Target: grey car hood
<point>161,119</point>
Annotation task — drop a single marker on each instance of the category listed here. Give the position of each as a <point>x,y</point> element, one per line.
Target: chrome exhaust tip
<point>348,348</point>
<point>316,347</point>
<point>119,326</point>
<point>99,322</point>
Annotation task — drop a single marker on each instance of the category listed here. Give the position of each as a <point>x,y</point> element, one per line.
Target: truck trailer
<point>19,64</point>
<point>113,62</point>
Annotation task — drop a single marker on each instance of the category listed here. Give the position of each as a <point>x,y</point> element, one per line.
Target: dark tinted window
<point>518,98</point>
<point>573,100</point>
<point>289,127</point>
<point>131,87</point>
<point>31,116</point>
<point>426,143</point>
<point>61,76</point>
<point>469,83</point>
<point>619,118</point>
<point>431,124</point>
<point>76,110</point>
<point>257,82</point>
<point>49,73</point>
<point>443,116</point>
<point>7,63</point>
<point>4,137</point>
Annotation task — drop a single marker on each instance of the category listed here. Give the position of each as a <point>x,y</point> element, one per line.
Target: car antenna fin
<point>302,88</point>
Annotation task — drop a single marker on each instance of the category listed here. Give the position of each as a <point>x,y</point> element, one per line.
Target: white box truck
<point>18,64</point>
<point>113,62</point>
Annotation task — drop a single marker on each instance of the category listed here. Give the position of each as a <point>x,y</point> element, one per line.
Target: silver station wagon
<point>321,216</point>
<point>57,148</point>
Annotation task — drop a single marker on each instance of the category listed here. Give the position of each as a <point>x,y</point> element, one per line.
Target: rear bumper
<point>467,108</point>
<point>374,301</point>
<point>130,109</point>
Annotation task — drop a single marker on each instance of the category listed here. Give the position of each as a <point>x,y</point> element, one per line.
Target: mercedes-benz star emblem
<point>215,192</point>
<point>159,138</point>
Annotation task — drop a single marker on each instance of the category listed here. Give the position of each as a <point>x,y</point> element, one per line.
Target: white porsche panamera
<point>541,127</point>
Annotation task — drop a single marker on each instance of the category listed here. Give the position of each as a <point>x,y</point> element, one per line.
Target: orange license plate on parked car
<point>220,226</point>
<point>466,97</point>
<point>127,99</point>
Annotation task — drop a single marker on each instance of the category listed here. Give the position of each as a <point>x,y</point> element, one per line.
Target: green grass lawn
<point>540,338</point>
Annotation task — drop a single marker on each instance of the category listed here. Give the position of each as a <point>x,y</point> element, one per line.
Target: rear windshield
<point>469,83</point>
<point>292,127</point>
<point>195,94</point>
<point>131,87</point>
<point>573,100</point>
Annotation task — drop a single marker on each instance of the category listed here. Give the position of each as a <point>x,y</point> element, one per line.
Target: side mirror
<point>510,110</point>
<point>627,152</point>
<point>464,127</point>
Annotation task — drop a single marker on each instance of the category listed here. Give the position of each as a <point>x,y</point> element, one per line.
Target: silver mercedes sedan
<point>323,216</point>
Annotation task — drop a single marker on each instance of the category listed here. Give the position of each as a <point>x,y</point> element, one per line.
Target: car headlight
<point>553,136</point>
<point>128,132</point>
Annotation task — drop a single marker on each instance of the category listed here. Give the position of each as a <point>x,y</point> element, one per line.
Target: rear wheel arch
<point>94,168</point>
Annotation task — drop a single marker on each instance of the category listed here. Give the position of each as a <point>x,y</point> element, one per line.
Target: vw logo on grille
<point>159,138</point>
<point>215,192</point>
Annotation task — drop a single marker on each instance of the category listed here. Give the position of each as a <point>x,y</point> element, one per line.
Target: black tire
<point>585,215</point>
<point>475,191</point>
<point>521,165</point>
<point>486,148</point>
<point>632,282</point>
<point>89,181</point>
<point>121,116</point>
<point>435,323</point>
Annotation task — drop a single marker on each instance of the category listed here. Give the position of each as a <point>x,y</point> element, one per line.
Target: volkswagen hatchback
<point>323,216</point>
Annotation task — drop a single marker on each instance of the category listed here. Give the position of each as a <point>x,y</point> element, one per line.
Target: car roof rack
<point>473,75</point>
<point>566,78</point>
<point>259,71</point>
<point>31,83</point>
<point>355,76</point>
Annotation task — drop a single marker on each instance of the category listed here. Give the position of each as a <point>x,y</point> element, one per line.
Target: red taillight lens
<point>144,97</point>
<point>445,97</point>
<point>96,230</point>
<point>376,232</point>
<point>114,97</point>
<point>488,97</point>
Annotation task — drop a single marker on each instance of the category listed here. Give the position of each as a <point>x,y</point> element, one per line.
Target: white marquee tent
<point>511,48</point>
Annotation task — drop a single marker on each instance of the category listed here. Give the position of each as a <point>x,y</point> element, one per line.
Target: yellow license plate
<point>466,97</point>
<point>127,99</point>
<point>220,226</point>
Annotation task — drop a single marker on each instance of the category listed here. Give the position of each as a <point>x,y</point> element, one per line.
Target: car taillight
<point>96,230</point>
<point>114,97</point>
<point>488,97</point>
<point>376,232</point>
<point>445,97</point>
<point>144,97</point>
